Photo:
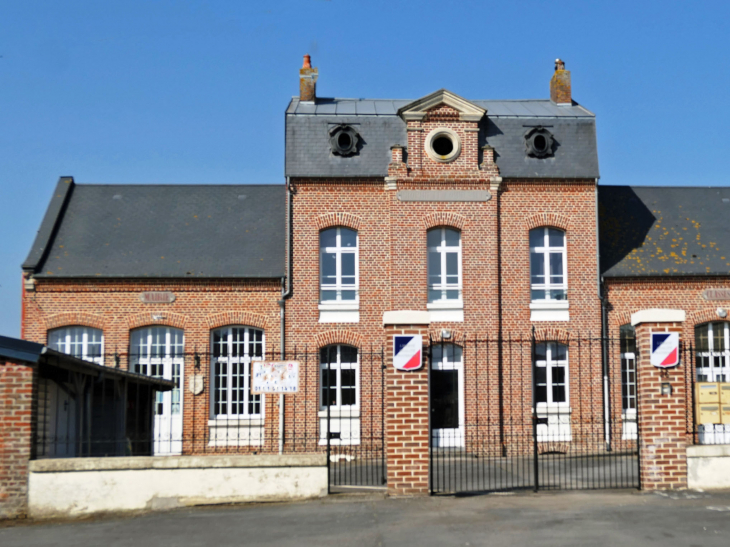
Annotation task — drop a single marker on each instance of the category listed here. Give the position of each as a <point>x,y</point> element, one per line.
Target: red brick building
<point>472,223</point>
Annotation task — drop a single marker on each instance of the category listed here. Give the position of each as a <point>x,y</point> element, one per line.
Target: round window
<point>539,142</point>
<point>344,140</point>
<point>443,145</point>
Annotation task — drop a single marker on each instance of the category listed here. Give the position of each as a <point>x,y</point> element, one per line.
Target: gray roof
<point>308,151</point>
<point>664,231</point>
<point>161,231</point>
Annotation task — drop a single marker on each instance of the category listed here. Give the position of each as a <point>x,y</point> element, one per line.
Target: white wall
<point>708,467</point>
<point>82,486</point>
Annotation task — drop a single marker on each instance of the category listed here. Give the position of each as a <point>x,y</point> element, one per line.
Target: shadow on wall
<point>624,222</point>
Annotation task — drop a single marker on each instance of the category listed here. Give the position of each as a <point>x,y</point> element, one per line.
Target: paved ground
<point>613,518</point>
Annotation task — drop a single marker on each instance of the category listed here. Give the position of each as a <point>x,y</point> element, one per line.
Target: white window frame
<point>339,366</point>
<point>338,250</point>
<point>628,366</point>
<point>452,358</point>
<point>546,250</point>
<point>442,249</point>
<point>242,359</point>
<point>549,362</point>
<point>62,339</point>
<point>143,361</point>
<point>713,373</point>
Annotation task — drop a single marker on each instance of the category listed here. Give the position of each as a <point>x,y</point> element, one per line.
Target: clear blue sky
<point>145,91</point>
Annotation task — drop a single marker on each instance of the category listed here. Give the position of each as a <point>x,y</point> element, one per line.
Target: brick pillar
<point>406,413</point>
<point>661,418</point>
<point>16,397</point>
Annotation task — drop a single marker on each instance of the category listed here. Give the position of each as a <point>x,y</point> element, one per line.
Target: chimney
<point>308,81</point>
<point>560,85</point>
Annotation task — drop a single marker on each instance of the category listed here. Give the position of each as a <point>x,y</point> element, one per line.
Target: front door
<point>447,396</point>
<point>158,352</point>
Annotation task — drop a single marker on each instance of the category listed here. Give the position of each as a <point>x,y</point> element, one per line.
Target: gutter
<point>285,295</point>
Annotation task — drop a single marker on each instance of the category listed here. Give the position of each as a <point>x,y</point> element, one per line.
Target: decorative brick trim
<point>704,316</point>
<point>338,337</point>
<point>67,319</point>
<point>442,218</point>
<point>247,318</point>
<point>623,318</point>
<point>330,220</point>
<point>551,334</point>
<point>166,318</point>
<point>548,219</point>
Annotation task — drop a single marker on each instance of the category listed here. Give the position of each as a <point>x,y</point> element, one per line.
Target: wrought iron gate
<point>532,414</point>
<point>353,419</point>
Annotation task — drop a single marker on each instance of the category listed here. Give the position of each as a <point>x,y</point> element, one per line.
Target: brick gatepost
<point>406,414</point>
<point>662,417</point>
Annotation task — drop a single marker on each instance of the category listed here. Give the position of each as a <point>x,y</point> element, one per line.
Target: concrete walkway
<point>615,518</point>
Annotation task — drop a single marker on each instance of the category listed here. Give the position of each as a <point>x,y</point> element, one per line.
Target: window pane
<point>537,268</point>
<point>348,378</point>
<point>718,337</point>
<point>329,268</point>
<point>558,375</point>
<point>451,237</point>
<point>541,351</point>
<point>556,268</point>
<point>537,294</point>
<point>558,394</point>
<point>434,237</point>
<point>348,354</point>
<point>452,267</point>
<point>560,352</point>
<point>328,238</point>
<point>434,268</point>
<point>701,338</point>
<point>452,295</point>
<point>556,238</point>
<point>434,295</point>
<point>348,266</point>
<point>348,238</point>
<point>537,238</point>
<point>540,375</point>
<point>329,295</point>
<point>541,394</point>
<point>349,295</point>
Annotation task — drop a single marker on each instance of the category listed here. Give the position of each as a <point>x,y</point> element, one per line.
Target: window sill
<point>236,422</point>
<point>553,408</point>
<point>446,311</point>
<point>334,306</point>
<point>550,310</point>
<point>339,316</point>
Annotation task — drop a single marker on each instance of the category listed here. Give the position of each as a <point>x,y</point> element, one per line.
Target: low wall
<point>82,486</point>
<point>708,467</point>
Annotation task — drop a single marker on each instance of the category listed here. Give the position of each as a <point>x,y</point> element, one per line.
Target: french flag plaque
<point>407,352</point>
<point>665,349</point>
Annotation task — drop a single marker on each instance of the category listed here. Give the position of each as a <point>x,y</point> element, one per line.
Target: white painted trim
<point>339,316</point>
<point>550,310</point>
<point>416,110</point>
<point>455,140</point>
<point>446,311</point>
<point>657,315</point>
<point>406,317</point>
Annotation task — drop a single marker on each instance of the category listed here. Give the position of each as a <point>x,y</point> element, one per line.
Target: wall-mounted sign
<point>664,349</point>
<point>157,297</point>
<point>407,352</point>
<point>716,294</point>
<point>275,377</point>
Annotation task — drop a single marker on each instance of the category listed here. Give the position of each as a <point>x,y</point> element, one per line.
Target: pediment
<point>417,110</point>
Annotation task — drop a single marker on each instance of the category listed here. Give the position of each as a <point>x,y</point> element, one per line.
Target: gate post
<point>407,410</point>
<point>662,398</point>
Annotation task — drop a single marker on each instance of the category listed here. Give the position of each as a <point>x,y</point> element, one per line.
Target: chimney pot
<point>560,88</point>
<point>308,81</point>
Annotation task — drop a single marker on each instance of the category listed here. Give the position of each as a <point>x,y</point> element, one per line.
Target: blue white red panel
<point>664,349</point>
<point>407,351</point>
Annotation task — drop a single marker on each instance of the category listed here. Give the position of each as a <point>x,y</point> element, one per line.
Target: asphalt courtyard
<point>615,518</point>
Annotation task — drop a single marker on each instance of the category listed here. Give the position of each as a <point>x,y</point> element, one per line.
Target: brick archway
<point>331,220</point>
<point>548,219</point>
<point>168,319</point>
<point>68,319</point>
<point>247,318</point>
<point>444,219</point>
<point>339,336</point>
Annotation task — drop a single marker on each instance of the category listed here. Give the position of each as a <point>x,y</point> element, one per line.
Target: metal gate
<point>532,414</point>
<point>352,423</point>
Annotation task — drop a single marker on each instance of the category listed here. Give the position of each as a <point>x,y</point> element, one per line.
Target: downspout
<point>604,336</point>
<point>286,293</point>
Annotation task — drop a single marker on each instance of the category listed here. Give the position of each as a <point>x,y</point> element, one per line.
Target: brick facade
<point>17,382</point>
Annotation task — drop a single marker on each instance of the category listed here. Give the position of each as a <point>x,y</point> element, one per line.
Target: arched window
<point>548,265</point>
<point>447,395</point>
<point>158,351</point>
<point>551,373</point>
<point>712,342</point>
<point>444,265</point>
<point>338,265</point>
<point>83,342</point>
<point>340,377</point>
<point>234,348</point>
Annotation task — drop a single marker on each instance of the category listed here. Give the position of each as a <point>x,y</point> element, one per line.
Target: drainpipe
<point>604,336</point>
<point>286,287</point>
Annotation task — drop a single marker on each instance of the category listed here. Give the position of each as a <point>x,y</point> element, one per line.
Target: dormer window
<point>539,142</point>
<point>344,140</point>
<point>443,145</point>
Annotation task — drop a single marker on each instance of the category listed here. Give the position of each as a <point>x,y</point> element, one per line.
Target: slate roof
<point>664,231</point>
<point>161,231</point>
<point>308,152</point>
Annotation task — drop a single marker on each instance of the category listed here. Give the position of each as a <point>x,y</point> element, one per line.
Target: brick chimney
<point>308,81</point>
<point>560,85</point>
